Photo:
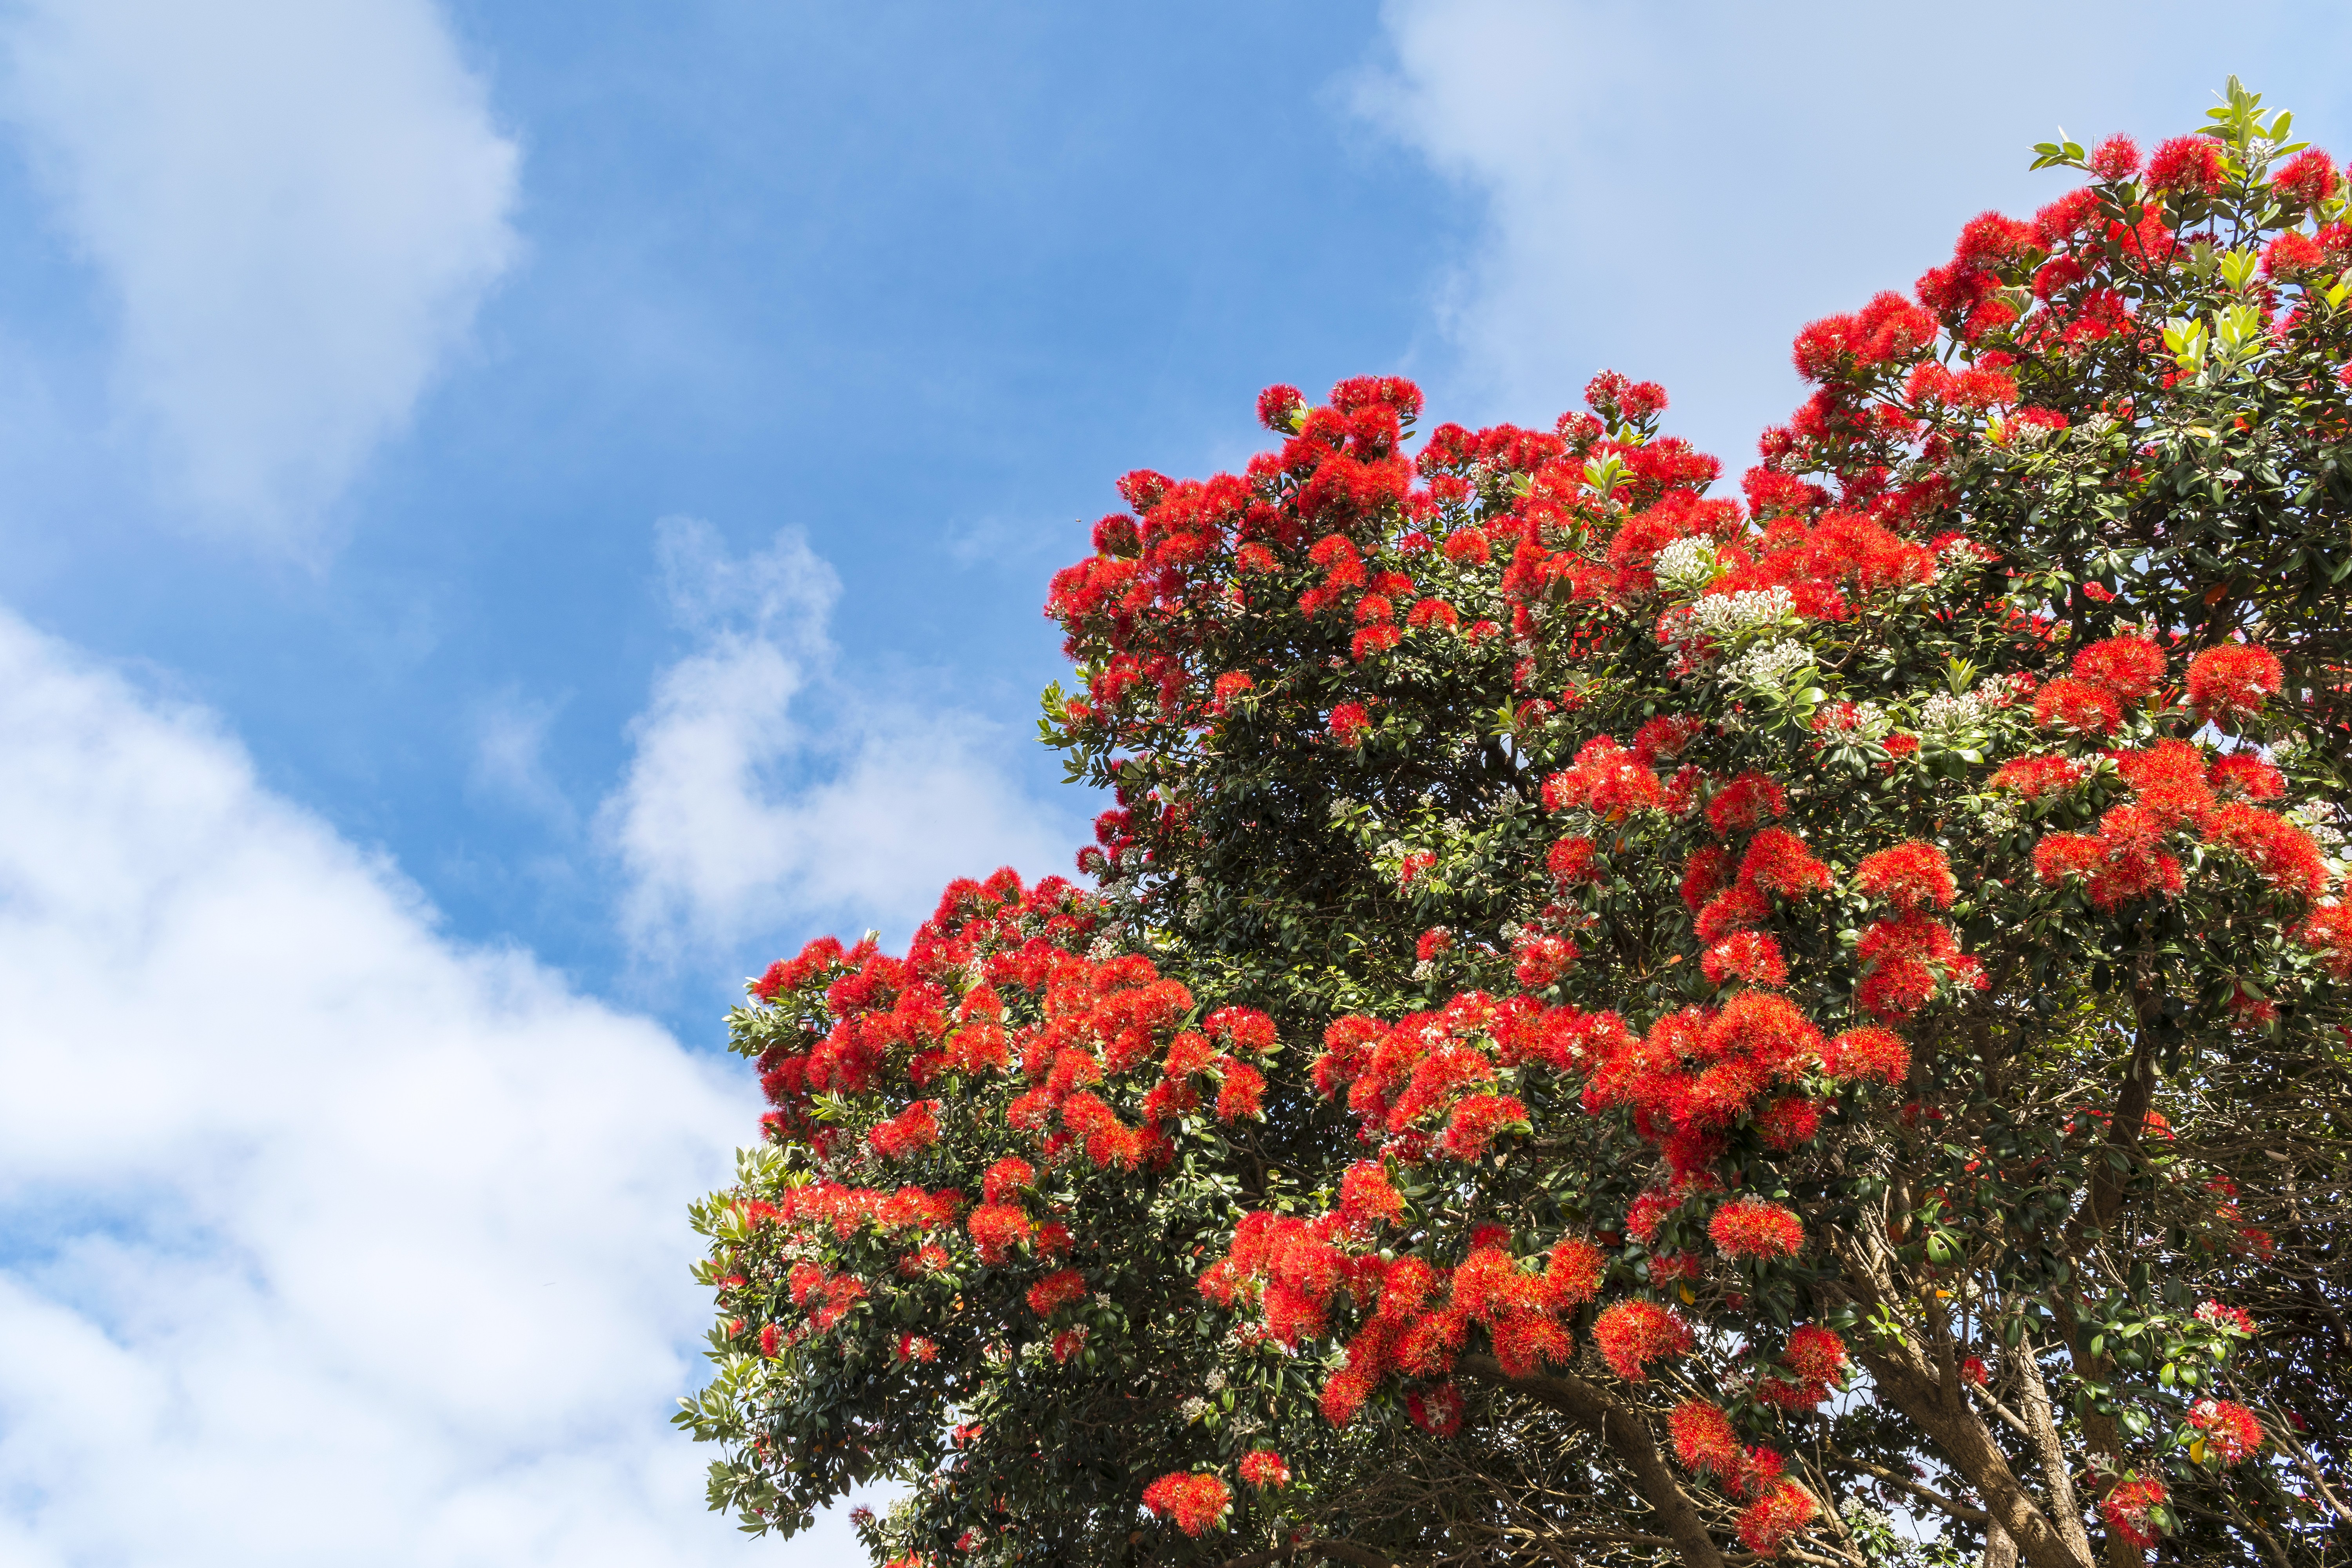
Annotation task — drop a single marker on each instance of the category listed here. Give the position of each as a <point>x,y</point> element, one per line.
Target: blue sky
<point>512,515</point>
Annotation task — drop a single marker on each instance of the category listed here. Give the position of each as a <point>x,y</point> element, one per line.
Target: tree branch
<point>1625,1432</point>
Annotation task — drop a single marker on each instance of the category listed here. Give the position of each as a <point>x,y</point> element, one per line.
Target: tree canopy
<point>1614,1025</point>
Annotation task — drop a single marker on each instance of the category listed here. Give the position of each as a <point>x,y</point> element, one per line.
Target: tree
<point>1619,1028</point>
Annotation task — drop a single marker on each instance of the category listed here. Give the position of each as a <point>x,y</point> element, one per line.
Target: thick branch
<point>1961,1435</point>
<point>1626,1433</point>
<point>2043,1423</point>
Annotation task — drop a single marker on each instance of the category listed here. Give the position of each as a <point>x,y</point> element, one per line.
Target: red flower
<point>2283,854</point>
<point>1750,1227</point>
<point>2234,1320</point>
<point>1767,1522</point>
<point>2228,684</point>
<point>1746,801</point>
<point>996,1229</point>
<point>2076,705</point>
<point>1197,1502</point>
<point>1571,860</point>
<point>1630,1335</point>
<point>2192,163</point>
<point>1437,1411</point>
<point>770,1337</point>
<point>910,1131</point>
<point>2129,667</point>
<point>1349,724</point>
<point>1816,1354</point>
<point>1789,1122</point>
<point>1477,1119</point>
<point>1748,955</point>
<point>2231,1431</point>
<point>1056,1290</point>
<point>915,1347</point>
<point>2246,776</point>
<point>1776,861</point>
<point>2116,158</point>
<point>1279,407</point>
<point>1868,1053</point>
<point>1367,1196</point>
<point>1264,1468</point>
<point>1909,876</point>
<point>2305,180</point>
<point>1002,1179</point>
<point>2129,1508</point>
<point>1703,1438</point>
<point>1648,1210</point>
<point>2034,777</point>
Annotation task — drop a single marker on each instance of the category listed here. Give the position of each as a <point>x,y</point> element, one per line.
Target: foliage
<point>1617,1026</point>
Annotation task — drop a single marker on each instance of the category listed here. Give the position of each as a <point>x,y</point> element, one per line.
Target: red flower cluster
<point>1197,1502</point>
<point>1751,1228</point>
<point>1631,1335</point>
<point>1904,960</point>
<point>1766,1524</point>
<point>2231,1432</point>
<point>1056,1290</point>
<point>1909,876</point>
<point>2228,685</point>
<point>2129,1508</point>
<point>1264,1468</point>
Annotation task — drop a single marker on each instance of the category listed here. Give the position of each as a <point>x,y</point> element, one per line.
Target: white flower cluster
<point>1688,565</point>
<point>1192,1409</point>
<point>1999,817</point>
<point>1722,616</point>
<point>1771,666</point>
<point>1951,713</point>
<point>1341,807</point>
<point>1426,969</point>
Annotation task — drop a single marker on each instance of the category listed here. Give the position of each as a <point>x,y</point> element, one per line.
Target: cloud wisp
<point>766,785</point>
<point>1674,192</point>
<point>326,1238</point>
<point>295,210</point>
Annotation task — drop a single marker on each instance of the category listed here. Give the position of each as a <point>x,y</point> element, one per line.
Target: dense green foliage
<point>1620,1027</point>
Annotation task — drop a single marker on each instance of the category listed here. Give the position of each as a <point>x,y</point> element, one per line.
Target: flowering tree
<point>1618,1027</point>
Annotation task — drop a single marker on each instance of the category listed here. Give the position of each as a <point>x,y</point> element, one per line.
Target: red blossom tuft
<point>1748,956</point>
<point>2231,1432</point>
<point>2189,164</point>
<point>2228,684</point>
<point>1750,1227</point>
<point>1703,1438</point>
<point>1631,1335</point>
<point>2305,180</point>
<point>1910,877</point>
<point>1766,1524</point>
<point>1868,1053</point>
<point>1265,1469</point>
<point>1056,1291</point>
<point>2128,667</point>
<point>2129,1509</point>
<point>2068,703</point>
<point>2116,158</point>
<point>1197,1502</point>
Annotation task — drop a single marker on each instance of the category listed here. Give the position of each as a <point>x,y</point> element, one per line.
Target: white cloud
<point>741,810</point>
<point>296,206</point>
<point>1672,191</point>
<point>328,1239</point>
